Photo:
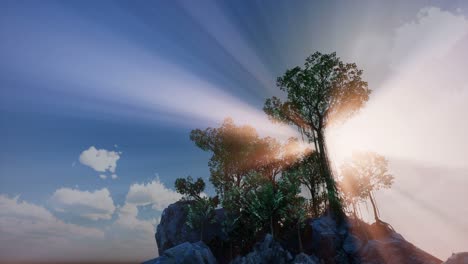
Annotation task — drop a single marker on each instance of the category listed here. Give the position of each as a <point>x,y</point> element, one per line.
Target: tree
<point>201,210</point>
<point>200,213</point>
<point>233,153</point>
<point>307,171</point>
<point>366,173</point>
<point>189,189</point>
<point>272,205</point>
<point>238,151</point>
<point>246,171</point>
<point>323,92</point>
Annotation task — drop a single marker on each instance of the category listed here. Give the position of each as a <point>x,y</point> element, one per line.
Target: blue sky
<point>133,78</point>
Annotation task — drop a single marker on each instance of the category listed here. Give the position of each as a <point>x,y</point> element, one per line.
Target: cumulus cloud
<point>91,205</point>
<point>114,176</point>
<point>103,176</point>
<point>128,219</point>
<point>26,225</point>
<point>100,160</point>
<point>152,193</point>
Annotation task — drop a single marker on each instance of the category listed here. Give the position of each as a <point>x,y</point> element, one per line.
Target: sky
<point>97,100</point>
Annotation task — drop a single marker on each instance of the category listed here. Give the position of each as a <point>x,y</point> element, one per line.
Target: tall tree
<point>323,92</point>
<point>366,173</point>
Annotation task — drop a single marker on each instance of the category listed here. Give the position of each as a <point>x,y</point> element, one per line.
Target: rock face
<point>458,258</point>
<point>173,230</point>
<point>186,253</point>
<point>267,251</point>
<point>354,241</point>
<point>270,251</point>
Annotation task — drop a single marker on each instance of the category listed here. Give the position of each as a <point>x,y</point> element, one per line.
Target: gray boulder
<point>267,251</point>
<point>458,258</point>
<point>173,230</point>
<point>186,253</point>
<point>305,259</point>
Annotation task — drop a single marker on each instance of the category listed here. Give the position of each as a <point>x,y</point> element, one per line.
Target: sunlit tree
<point>238,151</point>
<point>323,92</point>
<point>246,171</point>
<point>364,174</point>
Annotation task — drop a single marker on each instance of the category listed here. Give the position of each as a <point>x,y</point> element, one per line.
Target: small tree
<point>189,189</point>
<point>272,205</point>
<point>307,171</point>
<point>200,213</point>
<point>366,173</point>
<point>201,210</point>
<point>264,204</point>
<point>293,211</point>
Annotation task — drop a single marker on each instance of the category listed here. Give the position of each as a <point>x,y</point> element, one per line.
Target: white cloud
<point>431,36</point>
<point>100,160</point>
<point>103,176</point>
<point>92,205</point>
<point>152,193</point>
<point>114,176</point>
<point>128,219</point>
<point>25,225</point>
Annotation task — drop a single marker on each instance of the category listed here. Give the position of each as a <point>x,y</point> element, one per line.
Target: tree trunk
<point>333,199</point>
<point>201,232</point>
<point>314,202</point>
<point>301,249</point>
<point>271,227</point>
<point>376,216</point>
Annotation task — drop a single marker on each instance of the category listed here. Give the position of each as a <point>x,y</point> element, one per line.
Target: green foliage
<point>189,189</point>
<point>201,210</point>
<point>200,213</point>
<point>308,173</point>
<point>323,92</point>
<point>258,180</point>
<point>272,204</point>
<point>237,152</point>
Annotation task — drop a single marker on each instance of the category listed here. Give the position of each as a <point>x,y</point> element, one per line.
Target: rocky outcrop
<point>267,251</point>
<point>324,240</point>
<point>353,241</point>
<point>458,258</point>
<point>173,230</point>
<point>186,253</point>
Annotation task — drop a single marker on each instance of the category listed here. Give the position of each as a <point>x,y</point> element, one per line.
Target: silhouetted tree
<point>323,92</point>
<point>189,189</point>
<point>366,173</point>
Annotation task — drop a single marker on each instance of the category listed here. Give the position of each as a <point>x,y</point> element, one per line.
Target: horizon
<point>97,101</point>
